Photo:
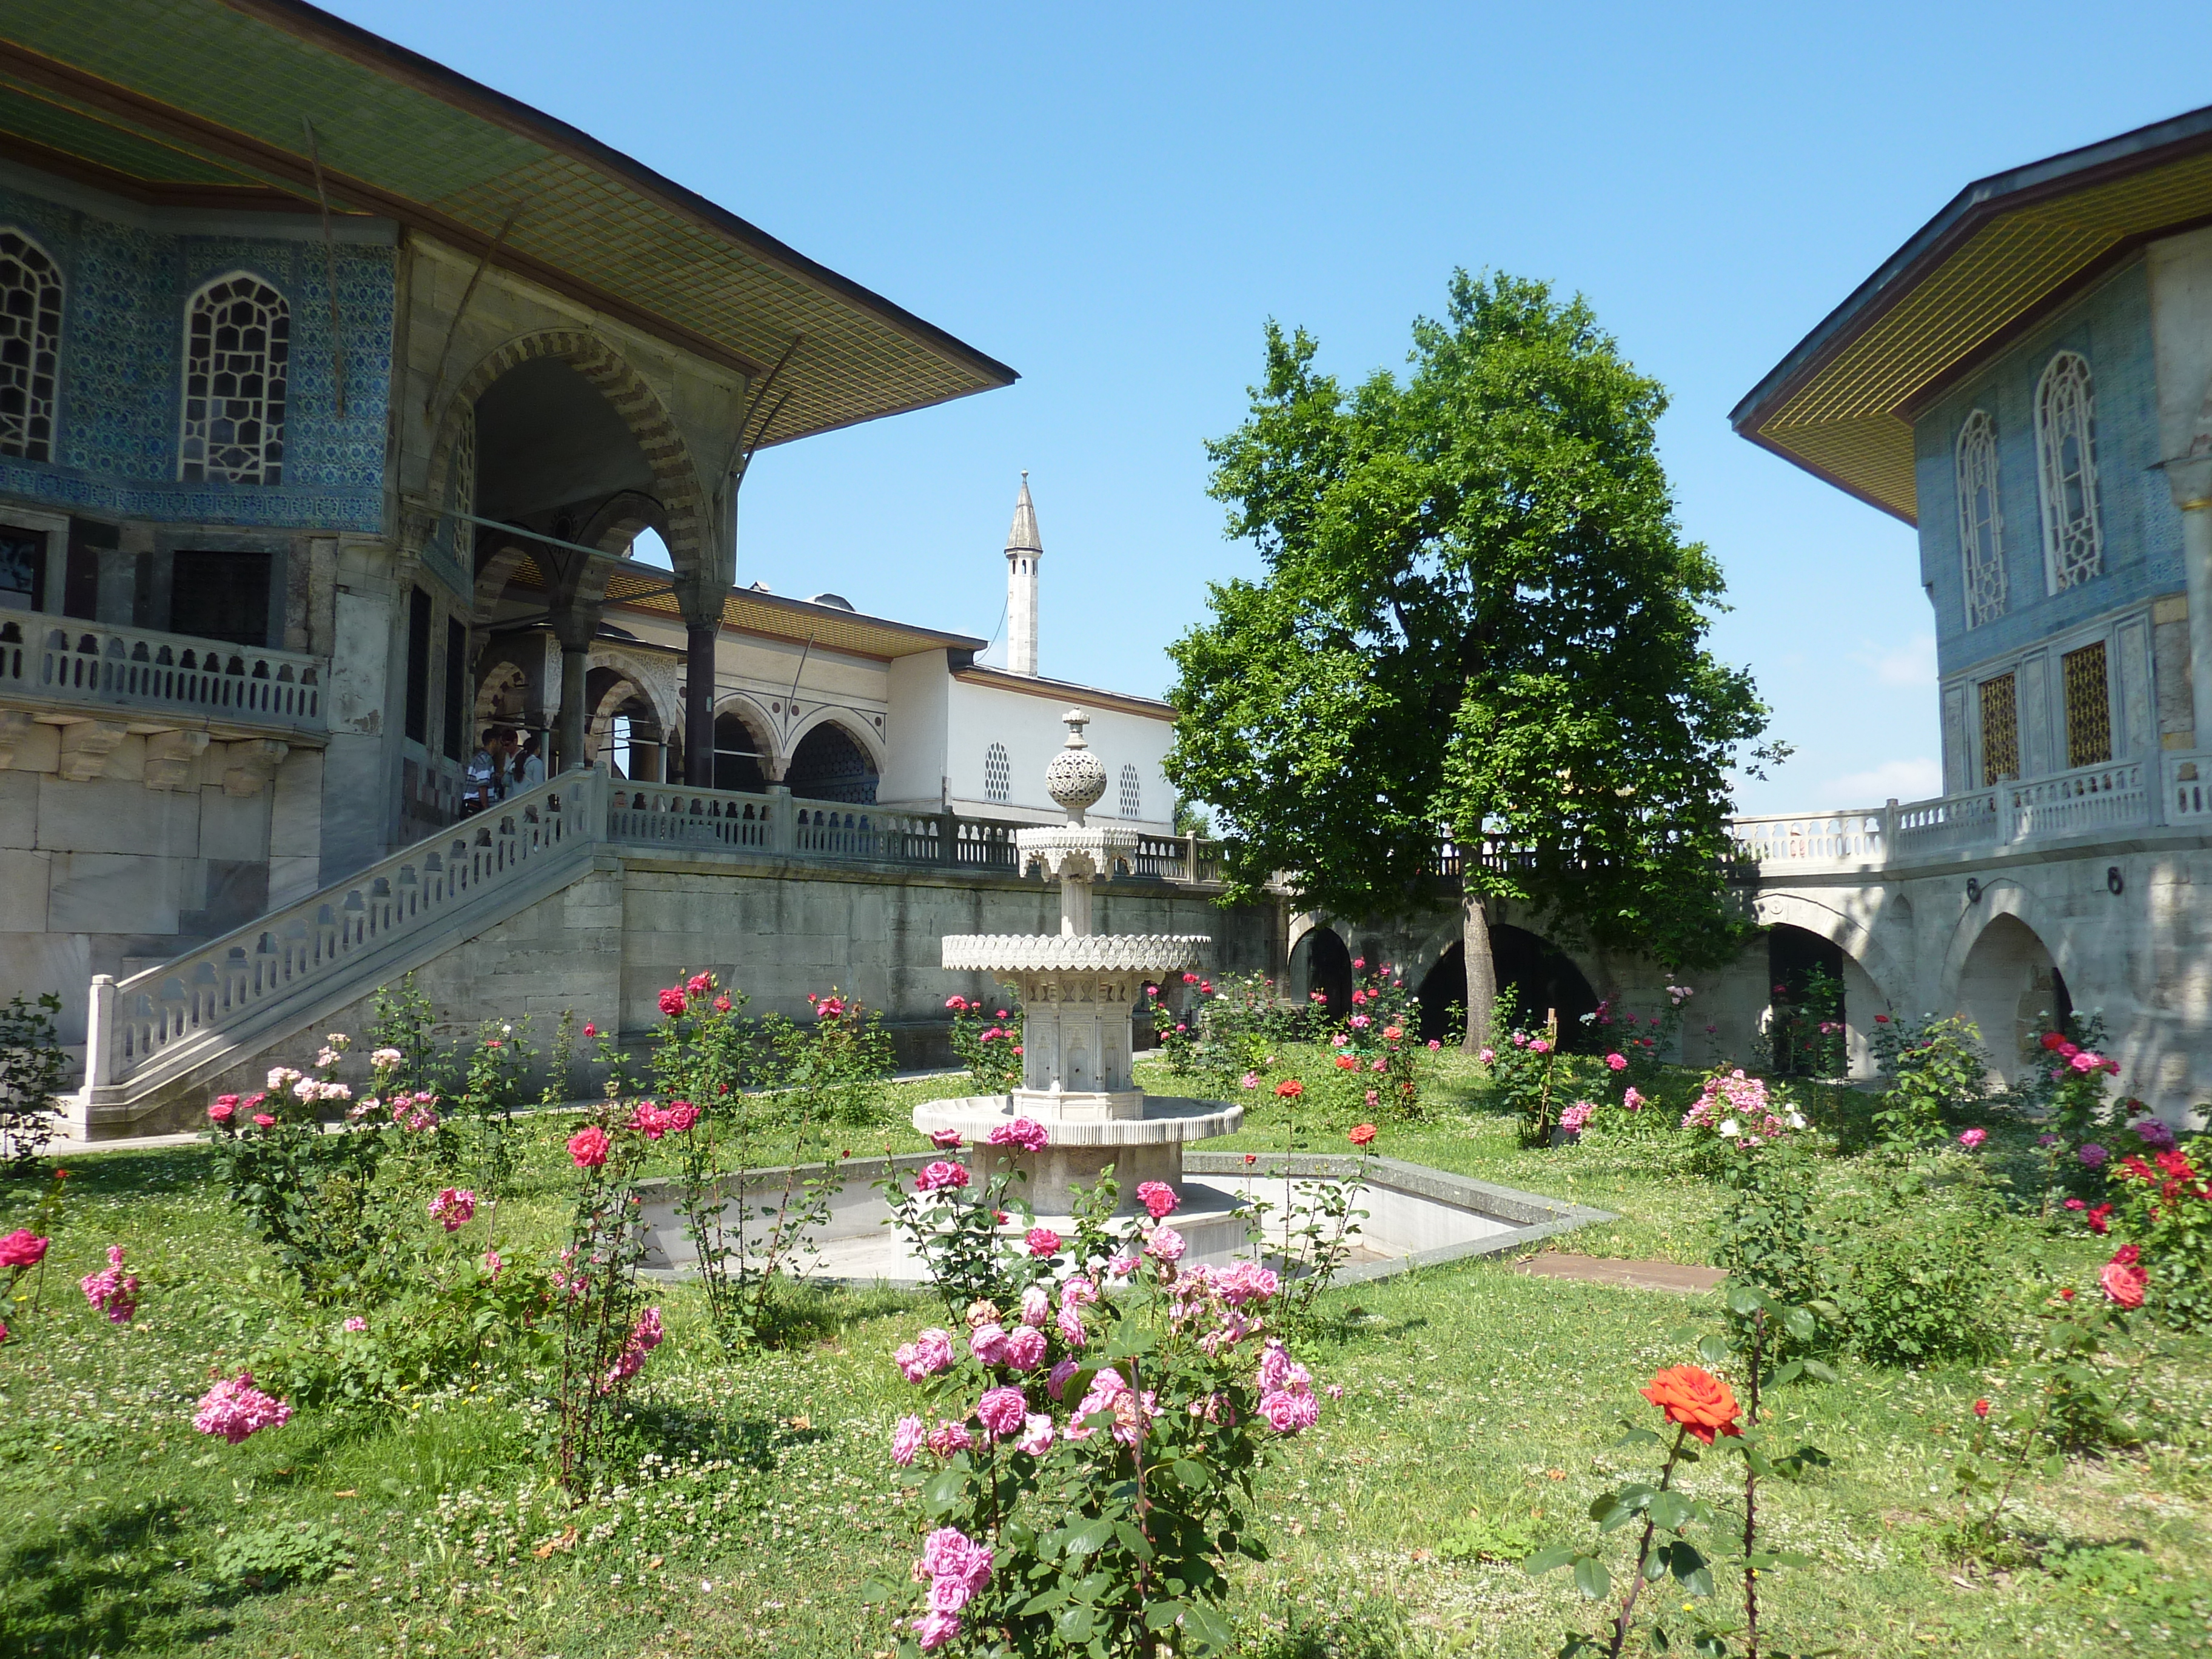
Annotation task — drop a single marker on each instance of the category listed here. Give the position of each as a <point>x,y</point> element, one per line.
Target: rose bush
<point>1084,1460</point>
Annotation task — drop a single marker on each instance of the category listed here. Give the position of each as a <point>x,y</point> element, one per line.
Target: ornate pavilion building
<point>334,391</point>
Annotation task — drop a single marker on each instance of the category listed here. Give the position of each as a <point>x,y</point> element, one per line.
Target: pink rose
<point>940,1176</point>
<point>1166,1243</point>
<point>671,1001</point>
<point>221,1112</point>
<point>587,1147</point>
<point>927,1354</point>
<point>1037,1435</point>
<point>1972,1138</point>
<point>1616,1062</point>
<point>907,1436</point>
<point>1024,1348</point>
<point>988,1344</point>
<point>1036,1306</point>
<point>1024,1135</point>
<point>1003,1411</point>
<point>1042,1241</point>
<point>1158,1198</point>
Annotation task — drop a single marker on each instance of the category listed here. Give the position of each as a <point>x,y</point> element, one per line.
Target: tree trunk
<point>1481,971</point>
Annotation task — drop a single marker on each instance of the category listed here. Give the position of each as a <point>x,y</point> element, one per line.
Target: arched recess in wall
<point>1538,975</point>
<point>534,378</point>
<point>744,753</point>
<point>1321,961</point>
<point>2009,985</point>
<point>1807,973</point>
<point>508,694</point>
<point>832,763</point>
<point>625,729</point>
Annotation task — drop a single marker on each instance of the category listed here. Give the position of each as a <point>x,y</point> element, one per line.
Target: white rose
<point>1731,1129</point>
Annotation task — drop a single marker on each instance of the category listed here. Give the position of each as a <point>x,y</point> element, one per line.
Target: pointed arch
<point>237,360</point>
<point>677,482</point>
<point>2066,462</point>
<point>1981,520</point>
<point>31,295</point>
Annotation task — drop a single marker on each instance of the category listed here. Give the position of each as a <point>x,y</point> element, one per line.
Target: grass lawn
<point>1478,1412</point>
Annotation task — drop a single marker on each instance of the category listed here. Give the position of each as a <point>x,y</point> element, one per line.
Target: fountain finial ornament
<point>1077,778</point>
<point>1079,991</point>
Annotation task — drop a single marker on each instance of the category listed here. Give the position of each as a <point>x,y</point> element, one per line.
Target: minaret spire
<point>1024,550</point>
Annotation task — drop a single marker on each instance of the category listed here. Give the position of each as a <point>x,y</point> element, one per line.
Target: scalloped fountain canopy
<point>1079,992</point>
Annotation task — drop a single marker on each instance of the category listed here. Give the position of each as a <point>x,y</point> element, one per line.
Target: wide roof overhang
<point>209,103</point>
<point>1997,260</point>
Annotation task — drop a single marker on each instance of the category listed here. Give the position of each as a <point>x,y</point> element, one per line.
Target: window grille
<point>2089,706</point>
<point>998,773</point>
<point>237,350</point>
<point>461,487</point>
<point>2066,452</point>
<point>1133,794</point>
<point>2000,730</point>
<point>1981,523</point>
<point>30,346</point>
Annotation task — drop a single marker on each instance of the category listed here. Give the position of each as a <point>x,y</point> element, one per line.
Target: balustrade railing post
<point>100,1035</point>
<point>783,819</point>
<point>948,837</point>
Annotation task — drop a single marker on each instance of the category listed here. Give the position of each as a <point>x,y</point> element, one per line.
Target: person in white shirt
<point>529,764</point>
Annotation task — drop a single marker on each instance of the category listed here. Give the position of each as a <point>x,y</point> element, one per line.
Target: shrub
<point>2165,1203</point>
<point>1523,1067</point>
<point>1918,1283</point>
<point>313,1197</point>
<point>1107,1529</point>
<point>833,1071</point>
<point>988,1045</point>
<point>1932,1069</point>
<point>31,1065</point>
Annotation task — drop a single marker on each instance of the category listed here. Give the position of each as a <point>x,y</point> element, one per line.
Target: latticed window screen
<point>1133,794</point>
<point>237,350</point>
<point>2089,706</point>
<point>1981,525</point>
<point>30,346</point>
<point>998,773</point>
<point>461,483</point>
<point>2066,454</point>
<point>2000,730</point>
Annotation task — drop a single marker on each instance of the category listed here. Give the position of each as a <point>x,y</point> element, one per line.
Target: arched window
<point>2066,455</point>
<point>1981,524</point>
<point>1133,794</point>
<point>30,346</point>
<point>237,347</point>
<point>998,773</point>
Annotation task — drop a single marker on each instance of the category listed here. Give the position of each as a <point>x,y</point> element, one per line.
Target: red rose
<point>1362,1134</point>
<point>1981,1408</point>
<point>2052,1040</point>
<point>587,1147</point>
<point>671,1001</point>
<point>2124,1283</point>
<point>1696,1400</point>
<point>1289,1089</point>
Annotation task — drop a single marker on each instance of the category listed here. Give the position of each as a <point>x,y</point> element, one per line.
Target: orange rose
<point>1695,1399</point>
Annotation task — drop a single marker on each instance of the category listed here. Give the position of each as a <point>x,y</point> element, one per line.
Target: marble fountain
<point>1079,992</point>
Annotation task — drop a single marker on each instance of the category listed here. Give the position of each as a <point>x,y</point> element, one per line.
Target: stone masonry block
<point>232,828</point>
<point>107,815</point>
<point>23,892</point>
<point>295,809</point>
<point>116,893</point>
<point>19,809</point>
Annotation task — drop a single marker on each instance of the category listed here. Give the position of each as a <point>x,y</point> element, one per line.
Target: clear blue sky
<point>1112,200</point>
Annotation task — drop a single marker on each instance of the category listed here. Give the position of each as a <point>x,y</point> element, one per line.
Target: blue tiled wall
<point>122,374</point>
<point>2111,327</point>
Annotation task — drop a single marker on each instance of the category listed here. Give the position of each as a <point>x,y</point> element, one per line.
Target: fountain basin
<point>1417,1217</point>
<point>1140,1148</point>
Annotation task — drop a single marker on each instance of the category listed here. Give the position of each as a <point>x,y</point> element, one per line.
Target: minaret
<point>1023,552</point>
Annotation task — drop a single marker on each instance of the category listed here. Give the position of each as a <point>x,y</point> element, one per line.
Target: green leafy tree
<point>1479,618</point>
